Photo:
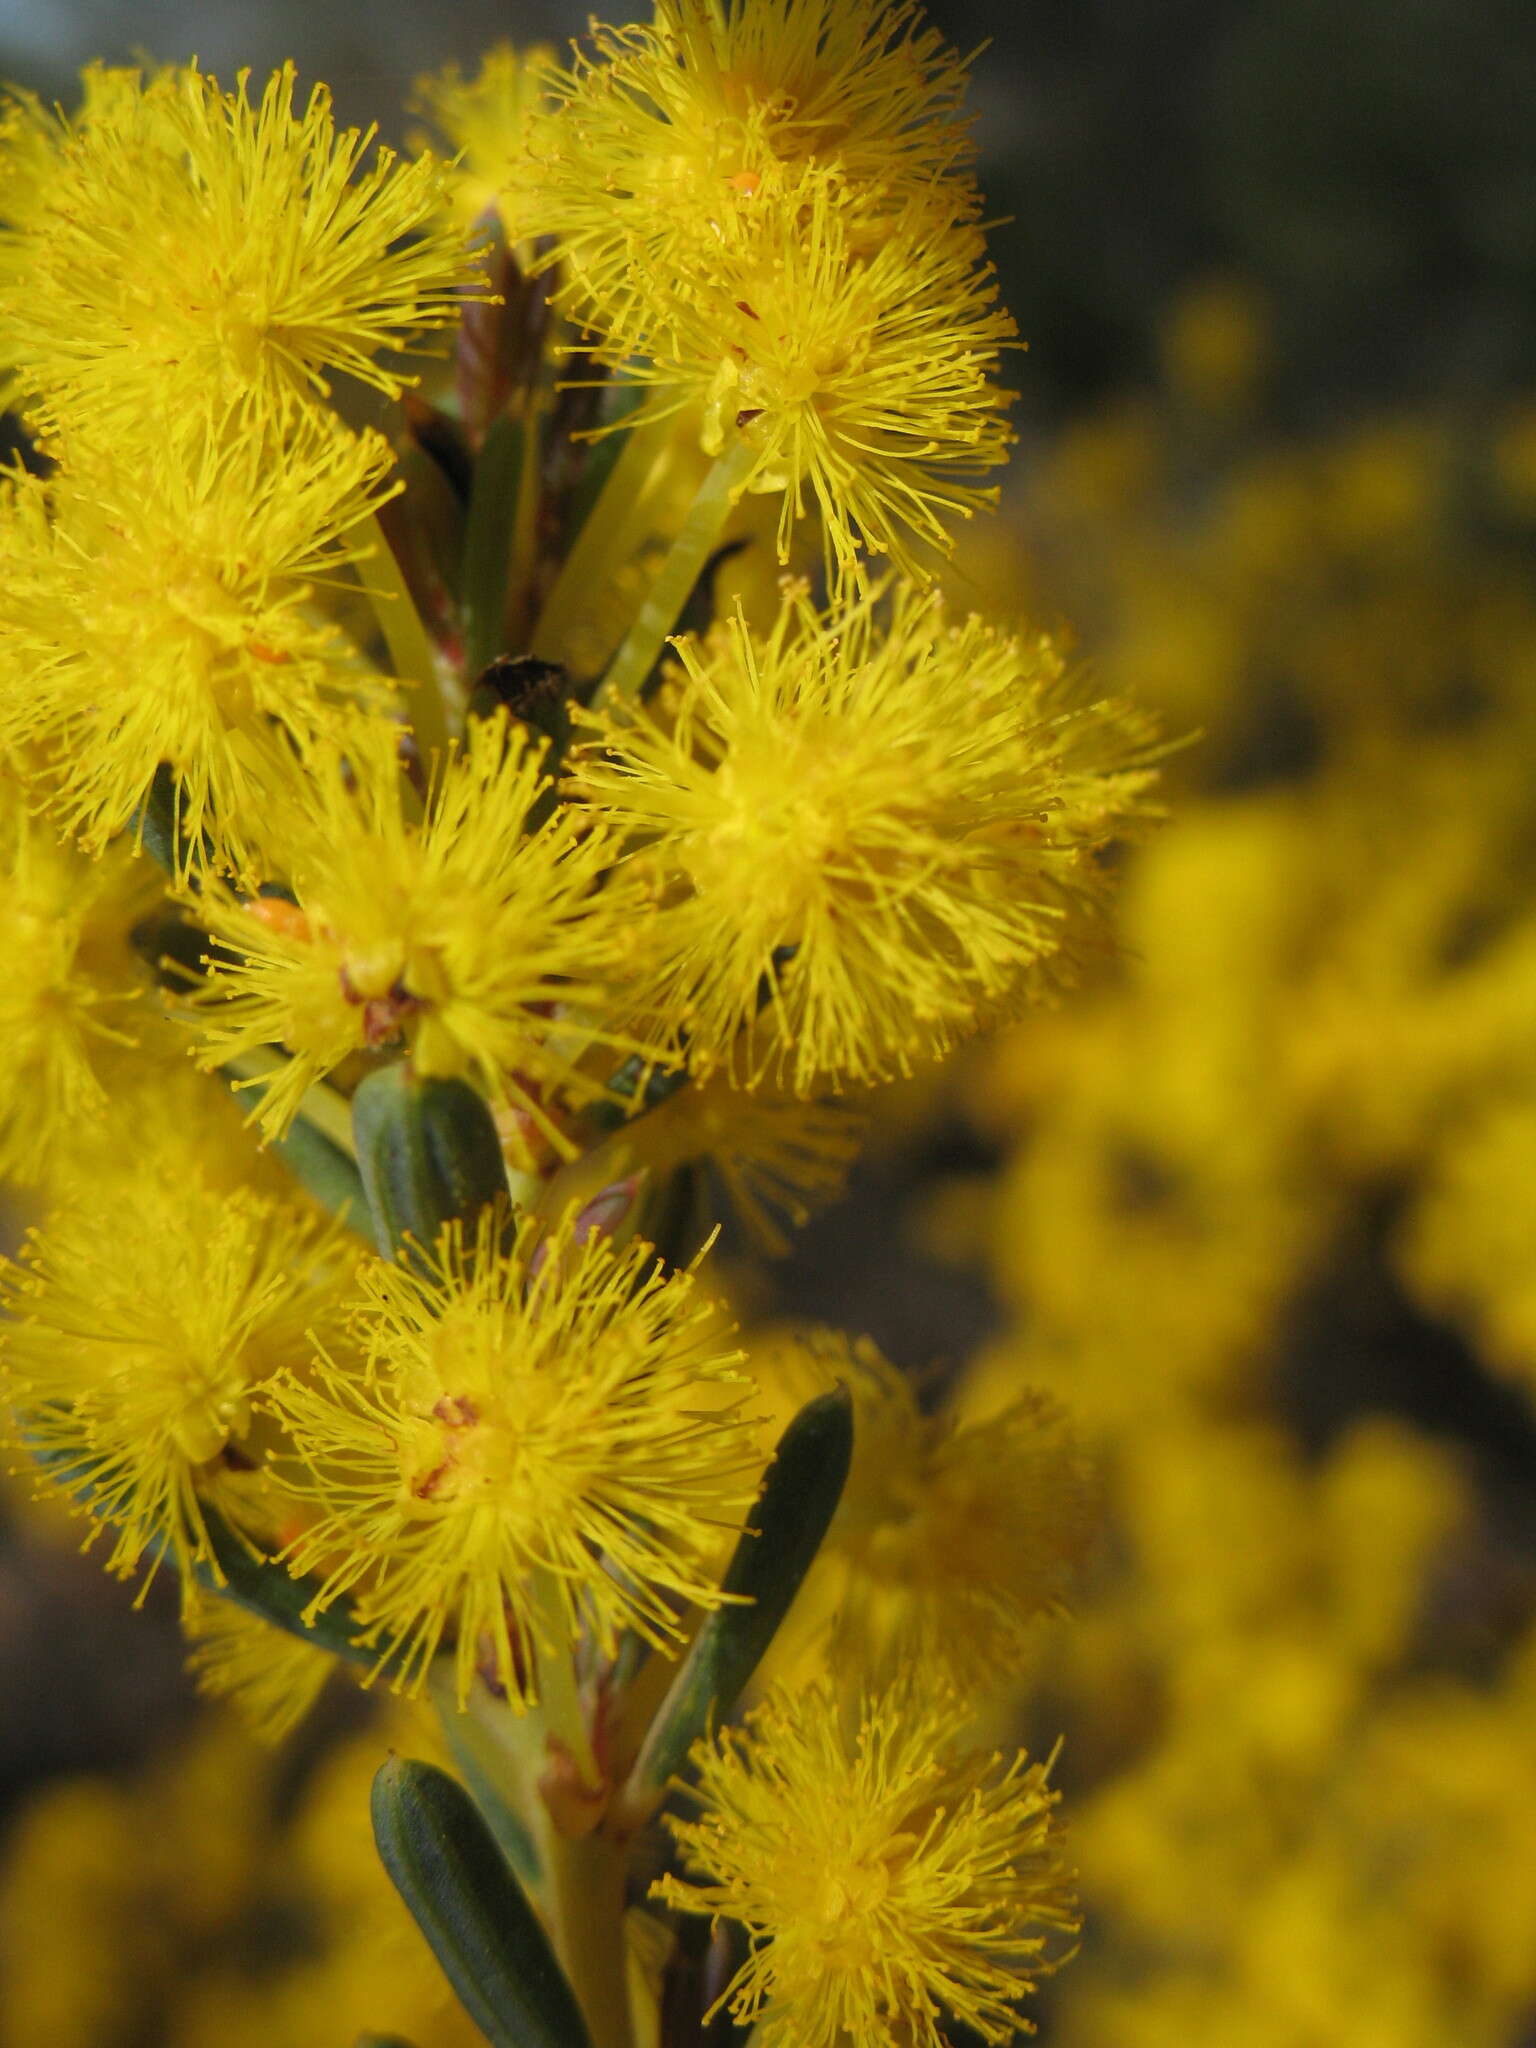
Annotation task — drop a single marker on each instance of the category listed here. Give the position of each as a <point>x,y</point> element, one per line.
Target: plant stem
<point>607,538</point>
<point>589,1916</point>
<point>559,1700</point>
<point>666,597</point>
<point>410,648</point>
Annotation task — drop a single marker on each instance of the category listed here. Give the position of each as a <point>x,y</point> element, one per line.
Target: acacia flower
<point>485,121</point>
<point>149,1315</point>
<point>774,1158</point>
<point>158,606</point>
<point>668,127</point>
<point>951,1538</point>
<point>866,837</point>
<point>70,984</point>
<point>846,374</point>
<point>572,1426</point>
<point>191,248</point>
<point>477,942</point>
<point>271,1676</point>
<point>887,1883</point>
<point>31,135</point>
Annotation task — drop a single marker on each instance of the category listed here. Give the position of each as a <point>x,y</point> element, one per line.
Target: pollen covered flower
<point>159,608</point>
<point>848,375</point>
<point>888,1885</point>
<point>773,1158</point>
<point>485,120</point>
<point>190,248</point>
<point>868,836</point>
<point>951,1538</point>
<point>566,1423</point>
<point>70,984</point>
<point>669,126</point>
<point>148,1316</point>
<point>271,1677</point>
<point>479,943</point>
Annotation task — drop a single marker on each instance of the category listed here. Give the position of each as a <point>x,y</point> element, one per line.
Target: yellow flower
<point>887,1883</point>
<point>951,1539</point>
<point>669,126</point>
<point>772,1157</point>
<point>69,986</point>
<point>520,1420</point>
<point>869,838</point>
<point>485,119</point>
<point>479,943</point>
<point>272,1677</point>
<point>149,1316</point>
<point>191,248</point>
<point>161,610</point>
<point>30,140</point>
<point>854,378</point>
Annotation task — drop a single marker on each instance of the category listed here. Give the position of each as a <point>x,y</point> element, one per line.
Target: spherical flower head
<point>868,836</point>
<point>558,1414</point>
<point>31,136</point>
<point>159,607</point>
<point>485,121</point>
<point>148,1317</point>
<point>851,374</point>
<point>773,1158</point>
<point>952,1538</point>
<point>887,1883</point>
<point>193,248</point>
<point>668,126</point>
<point>71,985</point>
<point>271,1677</point>
<point>481,944</point>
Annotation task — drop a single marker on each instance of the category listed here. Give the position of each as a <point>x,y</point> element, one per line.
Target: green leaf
<point>488,542</point>
<point>777,1548</point>
<point>324,1171</point>
<point>641,1086</point>
<point>445,1863</point>
<point>428,1153</point>
<point>267,1588</point>
<point>156,825</point>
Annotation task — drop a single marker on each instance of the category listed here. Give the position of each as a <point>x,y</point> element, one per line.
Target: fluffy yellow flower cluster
<point>527,962</point>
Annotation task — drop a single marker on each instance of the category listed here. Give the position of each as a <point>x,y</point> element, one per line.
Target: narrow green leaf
<point>427,1151</point>
<point>444,1861</point>
<point>488,542</point>
<point>156,825</point>
<point>640,1083</point>
<point>324,1171</point>
<point>267,1588</point>
<point>782,1536</point>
